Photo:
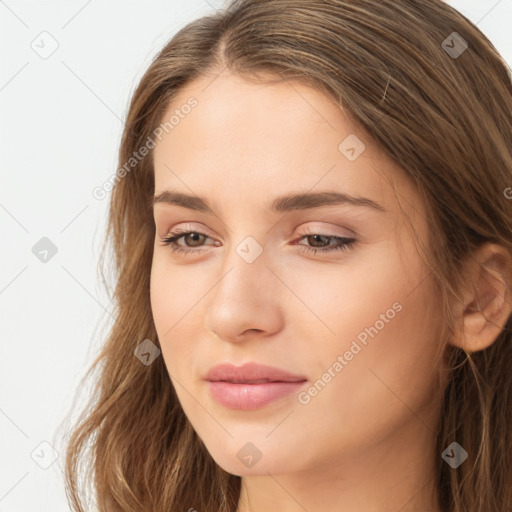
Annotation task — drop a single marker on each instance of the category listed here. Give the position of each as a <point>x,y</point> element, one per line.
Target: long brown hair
<point>441,110</point>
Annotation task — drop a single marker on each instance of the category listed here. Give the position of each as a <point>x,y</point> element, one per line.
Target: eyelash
<point>170,241</point>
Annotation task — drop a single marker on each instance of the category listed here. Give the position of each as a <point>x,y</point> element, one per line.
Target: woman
<point>311,236</point>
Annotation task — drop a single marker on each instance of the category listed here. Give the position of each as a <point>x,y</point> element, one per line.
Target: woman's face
<point>359,324</point>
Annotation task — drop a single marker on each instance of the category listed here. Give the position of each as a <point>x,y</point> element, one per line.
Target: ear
<point>486,302</point>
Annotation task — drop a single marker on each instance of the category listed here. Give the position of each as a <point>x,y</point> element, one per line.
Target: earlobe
<point>482,311</point>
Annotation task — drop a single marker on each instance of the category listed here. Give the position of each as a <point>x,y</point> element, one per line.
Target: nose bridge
<point>244,297</point>
<point>244,271</point>
<point>247,244</point>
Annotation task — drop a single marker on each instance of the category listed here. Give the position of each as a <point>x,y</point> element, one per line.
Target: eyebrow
<point>301,201</point>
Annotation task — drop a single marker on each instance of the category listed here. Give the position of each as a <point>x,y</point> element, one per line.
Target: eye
<point>171,239</point>
<point>344,243</point>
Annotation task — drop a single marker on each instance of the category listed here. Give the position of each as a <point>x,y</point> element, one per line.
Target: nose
<point>245,302</point>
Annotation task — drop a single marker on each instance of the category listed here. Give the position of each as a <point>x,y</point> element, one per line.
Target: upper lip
<point>251,373</point>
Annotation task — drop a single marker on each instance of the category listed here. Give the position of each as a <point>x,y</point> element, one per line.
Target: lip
<point>251,385</point>
<point>251,372</point>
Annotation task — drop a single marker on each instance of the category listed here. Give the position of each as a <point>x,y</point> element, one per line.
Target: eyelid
<point>185,228</point>
<point>315,230</point>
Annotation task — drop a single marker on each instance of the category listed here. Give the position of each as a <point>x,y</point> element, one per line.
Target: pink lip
<point>250,396</point>
<point>251,385</point>
<point>251,372</point>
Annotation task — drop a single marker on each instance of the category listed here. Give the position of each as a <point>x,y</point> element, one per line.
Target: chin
<point>245,458</point>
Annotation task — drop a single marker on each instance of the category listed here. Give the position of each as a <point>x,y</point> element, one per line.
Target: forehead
<point>248,142</point>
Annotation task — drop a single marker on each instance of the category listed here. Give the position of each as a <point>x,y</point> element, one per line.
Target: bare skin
<point>366,440</point>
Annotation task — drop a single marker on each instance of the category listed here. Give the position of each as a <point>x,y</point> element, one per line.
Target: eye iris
<point>316,237</point>
<point>196,235</point>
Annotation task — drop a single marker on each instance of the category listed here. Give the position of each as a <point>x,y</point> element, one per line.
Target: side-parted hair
<point>440,110</point>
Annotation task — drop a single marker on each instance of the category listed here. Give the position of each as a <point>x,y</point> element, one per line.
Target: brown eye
<point>318,243</point>
<point>194,238</point>
<point>318,239</point>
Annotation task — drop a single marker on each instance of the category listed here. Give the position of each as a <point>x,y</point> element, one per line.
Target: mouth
<point>251,386</point>
<point>251,395</point>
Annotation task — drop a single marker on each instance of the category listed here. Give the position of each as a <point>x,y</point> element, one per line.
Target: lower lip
<point>251,396</point>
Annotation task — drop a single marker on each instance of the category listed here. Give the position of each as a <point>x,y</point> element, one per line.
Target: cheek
<point>176,305</point>
<point>395,373</point>
<point>160,298</point>
<point>173,292</point>
<point>386,321</point>
<point>340,301</point>
<point>378,386</point>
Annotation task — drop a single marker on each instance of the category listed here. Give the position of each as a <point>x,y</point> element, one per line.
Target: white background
<point>61,121</point>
